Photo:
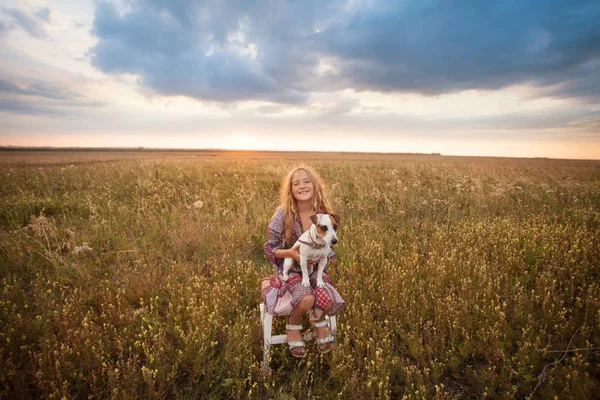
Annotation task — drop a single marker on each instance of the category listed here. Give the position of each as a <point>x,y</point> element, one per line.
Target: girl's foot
<point>295,340</point>
<point>324,337</point>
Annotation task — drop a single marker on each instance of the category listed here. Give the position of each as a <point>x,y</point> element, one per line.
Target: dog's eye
<point>335,226</point>
<point>324,228</point>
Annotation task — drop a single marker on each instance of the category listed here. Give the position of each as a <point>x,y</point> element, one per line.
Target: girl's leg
<point>325,312</point>
<point>295,318</point>
<point>328,301</point>
<point>324,331</point>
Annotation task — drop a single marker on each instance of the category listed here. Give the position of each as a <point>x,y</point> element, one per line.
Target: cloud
<point>38,88</point>
<point>582,81</point>
<point>72,109</point>
<point>31,25</point>
<point>272,109</point>
<point>37,97</point>
<point>219,51</point>
<point>436,47</point>
<point>236,50</point>
<point>571,124</point>
<point>566,119</point>
<point>338,107</point>
<point>44,14</point>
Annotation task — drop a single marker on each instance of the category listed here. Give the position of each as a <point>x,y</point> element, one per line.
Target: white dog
<point>315,244</point>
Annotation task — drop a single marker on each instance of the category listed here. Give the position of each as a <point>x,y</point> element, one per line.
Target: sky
<point>457,77</point>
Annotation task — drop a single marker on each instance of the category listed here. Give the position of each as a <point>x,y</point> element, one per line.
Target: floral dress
<point>280,296</point>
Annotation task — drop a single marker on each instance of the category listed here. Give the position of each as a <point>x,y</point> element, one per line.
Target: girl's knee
<point>307,302</point>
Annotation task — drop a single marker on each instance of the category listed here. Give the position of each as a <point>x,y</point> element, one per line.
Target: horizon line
<point>165,149</point>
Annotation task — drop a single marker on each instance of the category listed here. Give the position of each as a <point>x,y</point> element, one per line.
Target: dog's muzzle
<point>334,241</point>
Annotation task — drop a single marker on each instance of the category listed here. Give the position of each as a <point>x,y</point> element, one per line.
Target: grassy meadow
<point>132,275</point>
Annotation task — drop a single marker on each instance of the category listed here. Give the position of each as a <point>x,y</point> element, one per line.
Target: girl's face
<point>302,187</point>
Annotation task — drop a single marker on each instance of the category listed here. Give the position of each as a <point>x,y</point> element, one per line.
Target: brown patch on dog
<point>314,219</point>
<point>335,220</point>
<point>320,230</point>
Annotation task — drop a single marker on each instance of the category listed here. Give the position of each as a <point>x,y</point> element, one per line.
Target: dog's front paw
<point>286,277</point>
<point>305,283</point>
<point>320,283</point>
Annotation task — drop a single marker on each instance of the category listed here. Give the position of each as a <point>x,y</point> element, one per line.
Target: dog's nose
<point>333,241</point>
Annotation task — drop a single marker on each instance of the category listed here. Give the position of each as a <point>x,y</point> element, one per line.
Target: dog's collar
<point>312,243</point>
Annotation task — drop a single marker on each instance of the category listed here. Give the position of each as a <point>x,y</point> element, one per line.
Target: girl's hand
<point>295,253</point>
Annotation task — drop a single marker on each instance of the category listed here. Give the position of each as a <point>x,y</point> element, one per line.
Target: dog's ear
<point>336,217</point>
<point>314,219</point>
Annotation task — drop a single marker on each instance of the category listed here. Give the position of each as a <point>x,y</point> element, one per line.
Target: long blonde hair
<point>320,203</point>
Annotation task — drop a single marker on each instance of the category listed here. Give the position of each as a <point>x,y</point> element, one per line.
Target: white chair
<point>266,324</point>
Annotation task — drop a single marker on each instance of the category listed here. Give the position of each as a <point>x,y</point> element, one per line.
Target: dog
<point>315,244</point>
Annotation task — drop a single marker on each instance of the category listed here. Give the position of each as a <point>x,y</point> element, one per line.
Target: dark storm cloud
<point>440,46</point>
<point>582,81</point>
<point>31,25</point>
<point>239,50</point>
<point>222,51</point>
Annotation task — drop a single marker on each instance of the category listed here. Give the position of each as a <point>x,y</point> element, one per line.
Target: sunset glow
<point>100,74</point>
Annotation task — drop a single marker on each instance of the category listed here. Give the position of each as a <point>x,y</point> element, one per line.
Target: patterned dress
<point>280,296</point>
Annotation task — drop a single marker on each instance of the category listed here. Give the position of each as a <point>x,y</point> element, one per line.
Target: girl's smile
<point>302,186</point>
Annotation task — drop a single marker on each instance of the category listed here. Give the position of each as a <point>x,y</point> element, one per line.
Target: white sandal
<point>296,344</point>
<point>327,339</point>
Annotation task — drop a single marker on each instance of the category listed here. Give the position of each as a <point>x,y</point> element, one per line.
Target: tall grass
<point>140,278</point>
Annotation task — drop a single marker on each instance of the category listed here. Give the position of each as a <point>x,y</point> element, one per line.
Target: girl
<point>301,194</point>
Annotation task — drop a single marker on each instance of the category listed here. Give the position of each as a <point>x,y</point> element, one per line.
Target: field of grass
<point>136,275</point>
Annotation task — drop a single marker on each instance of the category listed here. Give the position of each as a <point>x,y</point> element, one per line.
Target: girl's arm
<point>274,246</point>
<point>288,253</point>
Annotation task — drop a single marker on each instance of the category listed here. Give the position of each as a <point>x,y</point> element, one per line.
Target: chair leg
<point>267,322</point>
<point>266,325</point>
<point>332,324</point>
